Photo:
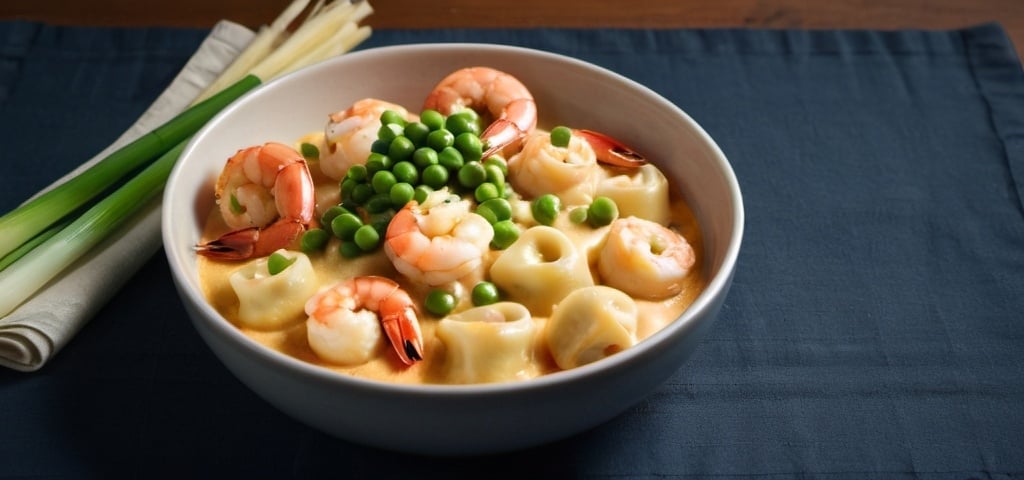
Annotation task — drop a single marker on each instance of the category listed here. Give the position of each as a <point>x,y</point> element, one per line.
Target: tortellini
<point>490,343</point>
<point>540,269</point>
<point>569,172</point>
<point>266,301</point>
<point>590,324</point>
<point>643,193</point>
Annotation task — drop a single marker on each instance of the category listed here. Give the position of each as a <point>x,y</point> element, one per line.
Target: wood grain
<point>390,14</point>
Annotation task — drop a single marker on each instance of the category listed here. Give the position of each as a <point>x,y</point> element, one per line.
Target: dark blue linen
<point>874,329</point>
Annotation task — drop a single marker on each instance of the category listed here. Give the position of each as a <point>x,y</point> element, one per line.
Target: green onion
<point>22,278</point>
<point>28,220</point>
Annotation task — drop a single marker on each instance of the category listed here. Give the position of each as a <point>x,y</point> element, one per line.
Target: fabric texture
<point>874,328</point>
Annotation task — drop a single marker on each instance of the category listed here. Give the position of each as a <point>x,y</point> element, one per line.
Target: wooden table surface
<point>871,14</point>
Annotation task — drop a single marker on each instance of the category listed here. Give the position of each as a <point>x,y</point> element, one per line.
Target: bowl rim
<point>216,323</point>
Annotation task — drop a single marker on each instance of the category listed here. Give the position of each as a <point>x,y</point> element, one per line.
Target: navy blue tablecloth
<point>874,330</point>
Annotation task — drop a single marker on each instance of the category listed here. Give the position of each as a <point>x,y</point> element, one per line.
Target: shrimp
<point>571,172</point>
<point>611,151</point>
<point>438,242</point>
<point>644,259</point>
<point>501,95</point>
<point>265,194</point>
<point>343,321</point>
<point>350,133</point>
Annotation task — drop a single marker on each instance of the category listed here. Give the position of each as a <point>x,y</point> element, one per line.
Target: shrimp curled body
<point>265,193</point>
<point>645,259</point>
<point>438,242</point>
<point>487,90</point>
<point>343,326</point>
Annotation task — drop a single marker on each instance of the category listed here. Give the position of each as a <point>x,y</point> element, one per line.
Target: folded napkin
<point>40,327</point>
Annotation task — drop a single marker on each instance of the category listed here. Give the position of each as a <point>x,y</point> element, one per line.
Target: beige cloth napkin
<point>40,327</point>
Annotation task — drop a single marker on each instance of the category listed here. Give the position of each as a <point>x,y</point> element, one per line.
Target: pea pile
<point>408,161</point>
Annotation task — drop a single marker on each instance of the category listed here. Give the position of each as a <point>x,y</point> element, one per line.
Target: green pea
<point>380,146</point>
<point>367,238</point>
<point>377,162</point>
<point>578,215</point>
<point>485,293</point>
<point>278,262</point>
<point>435,176</point>
<point>602,211</point>
<point>331,213</point>
<point>424,157</point>
<point>487,213</point>
<point>421,193</point>
<point>502,208</point>
<point>344,226</point>
<point>382,181</point>
<point>314,240</point>
<point>451,158</point>
<point>406,172</point>
<point>439,139</point>
<point>472,174</point>
<point>361,193</point>
<point>401,194</point>
<point>357,173</point>
<point>485,191</point>
<point>470,146</point>
<point>545,208</point>
<point>349,249</point>
<point>505,234</point>
<point>401,148</point>
<point>498,162</point>
<point>432,119</point>
<point>462,122</point>
<point>309,151</point>
<point>389,132</point>
<point>391,117</point>
<point>560,136</point>
<point>417,132</point>
<point>439,302</point>
<point>495,175</point>
<point>379,202</point>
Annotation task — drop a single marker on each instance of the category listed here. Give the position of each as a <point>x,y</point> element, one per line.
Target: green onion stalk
<point>29,220</point>
<point>44,262</point>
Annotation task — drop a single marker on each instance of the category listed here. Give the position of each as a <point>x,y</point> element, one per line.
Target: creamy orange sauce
<point>331,267</point>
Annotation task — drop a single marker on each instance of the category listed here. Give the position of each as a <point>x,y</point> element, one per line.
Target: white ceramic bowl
<point>441,419</point>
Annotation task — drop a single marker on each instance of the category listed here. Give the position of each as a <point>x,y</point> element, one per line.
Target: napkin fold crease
<point>33,333</point>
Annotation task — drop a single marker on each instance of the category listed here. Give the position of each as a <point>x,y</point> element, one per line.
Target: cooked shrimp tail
<point>265,193</point>
<point>252,242</point>
<point>611,151</point>
<point>505,131</point>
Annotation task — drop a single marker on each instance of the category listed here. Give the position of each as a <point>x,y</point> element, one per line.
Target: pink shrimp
<point>339,307</point>
<point>611,151</point>
<point>265,194</point>
<point>438,242</point>
<point>485,89</point>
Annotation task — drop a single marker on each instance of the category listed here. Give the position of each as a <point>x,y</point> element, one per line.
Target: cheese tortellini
<point>268,301</point>
<point>540,269</point>
<point>642,194</point>
<point>490,343</point>
<point>590,324</point>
